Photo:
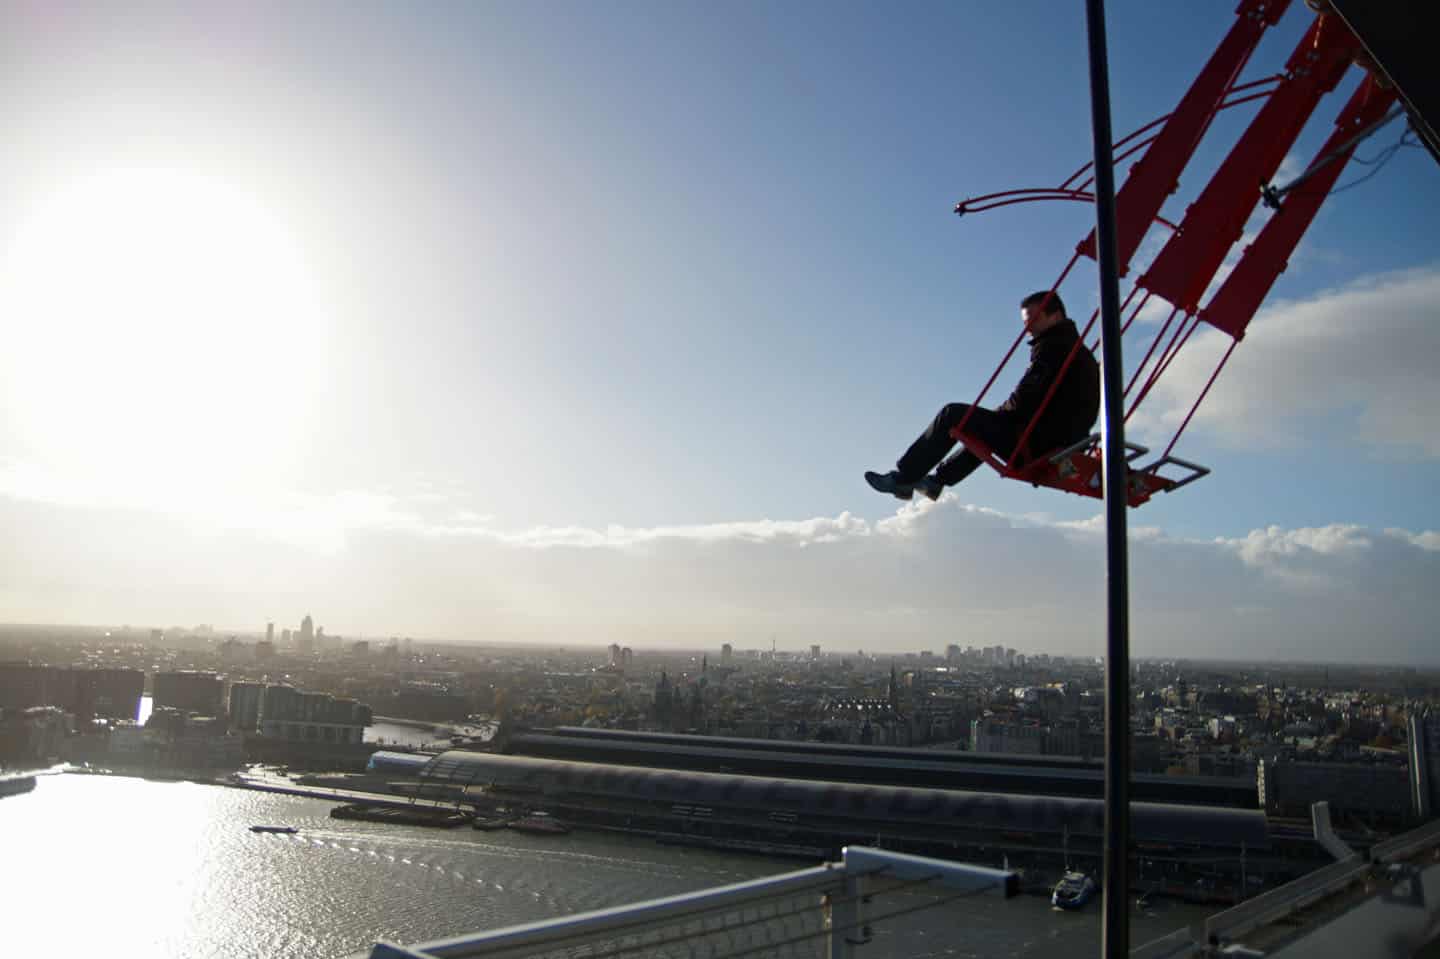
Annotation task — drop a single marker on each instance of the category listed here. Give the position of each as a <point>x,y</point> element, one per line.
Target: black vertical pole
<point>1115,932</point>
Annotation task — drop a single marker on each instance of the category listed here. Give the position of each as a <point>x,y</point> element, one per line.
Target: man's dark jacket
<point>1072,410</point>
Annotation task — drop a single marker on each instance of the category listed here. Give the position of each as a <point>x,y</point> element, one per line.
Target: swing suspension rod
<point>1065,191</point>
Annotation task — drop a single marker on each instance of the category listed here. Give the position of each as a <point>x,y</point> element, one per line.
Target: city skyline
<point>529,324</point>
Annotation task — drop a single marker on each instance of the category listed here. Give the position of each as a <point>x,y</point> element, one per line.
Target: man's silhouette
<point>1067,418</point>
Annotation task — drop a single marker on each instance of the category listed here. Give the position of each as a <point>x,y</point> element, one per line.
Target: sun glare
<point>155,317</point>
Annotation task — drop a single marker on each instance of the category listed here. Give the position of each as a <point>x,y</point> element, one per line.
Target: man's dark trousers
<point>998,430</point>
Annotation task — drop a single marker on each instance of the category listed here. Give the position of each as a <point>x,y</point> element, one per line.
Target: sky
<point>581,322</point>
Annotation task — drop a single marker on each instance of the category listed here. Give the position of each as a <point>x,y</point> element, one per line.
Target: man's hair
<point>1054,304</point>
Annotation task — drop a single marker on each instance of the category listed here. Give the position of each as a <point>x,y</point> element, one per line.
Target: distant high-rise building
<point>625,655</point>
<point>264,650</point>
<point>727,652</point>
<point>270,632</point>
<point>614,654</point>
<point>285,637</point>
<point>814,651</point>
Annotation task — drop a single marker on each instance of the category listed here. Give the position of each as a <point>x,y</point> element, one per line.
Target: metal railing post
<point>842,918</point>
<point>1115,931</point>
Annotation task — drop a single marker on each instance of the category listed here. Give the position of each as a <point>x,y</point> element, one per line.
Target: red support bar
<point>1133,313</point>
<point>1150,352</point>
<point>1157,174</point>
<point>1235,303</point>
<point>1190,258</point>
<point>1172,349</point>
<point>1201,398</point>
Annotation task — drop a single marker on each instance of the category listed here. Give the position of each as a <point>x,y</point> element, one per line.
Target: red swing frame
<point>1189,261</point>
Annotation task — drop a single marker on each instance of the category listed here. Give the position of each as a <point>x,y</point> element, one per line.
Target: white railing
<point>1178,945</point>
<point>1287,899</point>
<point>824,911</point>
<point>1408,844</point>
<point>1241,920</point>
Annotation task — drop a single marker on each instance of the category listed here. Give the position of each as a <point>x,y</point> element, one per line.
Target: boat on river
<point>1073,891</point>
<point>539,822</point>
<point>287,830</point>
<point>490,823</point>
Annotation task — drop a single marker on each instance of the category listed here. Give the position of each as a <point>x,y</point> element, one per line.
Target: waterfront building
<point>246,701</point>
<point>295,715</point>
<point>994,733</point>
<point>190,691</point>
<point>35,734</point>
<point>106,693</point>
<point>23,685</point>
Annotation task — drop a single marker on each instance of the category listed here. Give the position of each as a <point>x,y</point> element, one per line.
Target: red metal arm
<point>1157,174</point>
<point>1190,258</point>
<point>1233,305</point>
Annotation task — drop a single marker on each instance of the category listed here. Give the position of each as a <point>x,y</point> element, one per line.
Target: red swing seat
<point>1078,469</point>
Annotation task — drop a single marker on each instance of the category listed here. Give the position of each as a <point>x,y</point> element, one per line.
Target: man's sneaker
<point>931,487</point>
<point>890,483</point>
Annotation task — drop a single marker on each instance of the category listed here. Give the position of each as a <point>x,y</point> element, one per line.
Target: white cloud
<point>928,575</point>
<point>1428,540</point>
<point>1360,359</point>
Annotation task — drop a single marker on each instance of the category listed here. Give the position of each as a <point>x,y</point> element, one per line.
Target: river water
<point>169,870</point>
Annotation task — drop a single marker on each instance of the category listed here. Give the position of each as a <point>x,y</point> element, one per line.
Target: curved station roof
<point>855,803</point>
<point>876,765</point>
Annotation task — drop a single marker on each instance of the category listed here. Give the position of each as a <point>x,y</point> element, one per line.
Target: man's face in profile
<point>1035,319</point>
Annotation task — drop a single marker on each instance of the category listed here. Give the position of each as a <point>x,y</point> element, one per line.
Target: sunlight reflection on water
<point>171,870</point>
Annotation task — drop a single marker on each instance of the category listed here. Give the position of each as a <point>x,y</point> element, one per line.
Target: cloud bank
<point>929,575</point>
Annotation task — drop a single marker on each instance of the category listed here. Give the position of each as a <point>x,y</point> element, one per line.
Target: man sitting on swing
<point>1066,420</point>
